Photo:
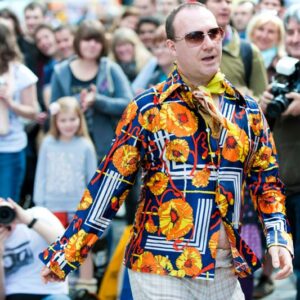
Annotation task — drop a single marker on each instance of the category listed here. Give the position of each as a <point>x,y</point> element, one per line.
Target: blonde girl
<point>66,161</point>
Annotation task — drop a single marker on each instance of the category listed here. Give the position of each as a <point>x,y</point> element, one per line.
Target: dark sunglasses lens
<point>215,33</point>
<point>194,38</point>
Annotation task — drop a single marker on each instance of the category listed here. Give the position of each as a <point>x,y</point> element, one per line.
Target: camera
<point>7,215</point>
<point>285,81</point>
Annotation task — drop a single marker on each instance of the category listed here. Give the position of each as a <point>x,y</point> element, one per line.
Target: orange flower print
<point>190,262</point>
<point>256,123</point>
<point>127,116</point>
<point>177,119</point>
<point>175,218</point>
<point>213,244</point>
<point>147,263</point>
<point>150,120</point>
<point>271,179</point>
<point>222,204</point>
<point>158,183</point>
<point>271,139</point>
<point>177,150</point>
<point>264,158</point>
<point>54,266</point>
<point>150,226</point>
<point>201,178</point>
<point>271,202</point>
<point>76,249</point>
<point>236,146</point>
<point>117,203</point>
<point>126,159</point>
<point>230,233</point>
<point>165,264</point>
<point>177,273</point>
<point>139,215</point>
<point>85,201</point>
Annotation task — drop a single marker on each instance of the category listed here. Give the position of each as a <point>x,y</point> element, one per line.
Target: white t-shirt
<point>21,263</point>
<point>16,139</point>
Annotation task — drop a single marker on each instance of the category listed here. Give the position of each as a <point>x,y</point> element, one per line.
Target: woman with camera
<point>18,98</point>
<point>23,234</point>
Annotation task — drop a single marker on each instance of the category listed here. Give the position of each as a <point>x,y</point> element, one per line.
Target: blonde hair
<point>262,19</point>
<point>67,104</point>
<point>126,35</point>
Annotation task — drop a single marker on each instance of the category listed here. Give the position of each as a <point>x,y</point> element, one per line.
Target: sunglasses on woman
<point>196,38</point>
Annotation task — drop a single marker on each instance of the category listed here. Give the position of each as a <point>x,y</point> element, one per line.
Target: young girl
<point>67,160</point>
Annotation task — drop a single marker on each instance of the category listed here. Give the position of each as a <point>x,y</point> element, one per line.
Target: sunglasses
<point>196,38</point>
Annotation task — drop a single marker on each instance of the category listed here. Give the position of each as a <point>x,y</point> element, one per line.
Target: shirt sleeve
<point>102,198</point>
<point>267,191</point>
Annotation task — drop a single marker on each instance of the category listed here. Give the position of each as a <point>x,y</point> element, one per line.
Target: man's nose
<point>207,42</point>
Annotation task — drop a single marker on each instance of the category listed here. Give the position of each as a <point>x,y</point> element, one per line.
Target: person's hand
<point>41,117</point>
<point>265,99</point>
<point>88,97</point>
<point>22,215</point>
<point>5,96</point>
<point>294,107</point>
<point>48,276</point>
<point>281,258</point>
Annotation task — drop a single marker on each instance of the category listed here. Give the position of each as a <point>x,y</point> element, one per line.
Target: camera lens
<point>277,106</point>
<point>7,215</point>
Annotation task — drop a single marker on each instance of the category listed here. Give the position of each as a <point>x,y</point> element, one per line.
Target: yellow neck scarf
<point>202,98</point>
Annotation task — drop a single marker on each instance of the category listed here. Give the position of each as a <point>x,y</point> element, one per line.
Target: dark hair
<point>170,18</point>
<point>36,5</point>
<point>41,27</point>
<point>91,29</point>
<point>281,2</point>
<point>68,27</point>
<point>9,50</point>
<point>159,35</point>
<point>147,19</point>
<point>6,13</point>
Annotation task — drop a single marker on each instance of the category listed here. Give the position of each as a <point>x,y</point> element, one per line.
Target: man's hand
<point>294,108</point>
<point>265,99</point>
<point>281,258</point>
<point>49,276</point>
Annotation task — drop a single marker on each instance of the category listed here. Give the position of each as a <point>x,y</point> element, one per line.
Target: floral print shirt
<point>192,182</point>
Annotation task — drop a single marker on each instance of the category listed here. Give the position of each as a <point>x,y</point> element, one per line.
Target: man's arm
<point>267,192</point>
<point>101,199</point>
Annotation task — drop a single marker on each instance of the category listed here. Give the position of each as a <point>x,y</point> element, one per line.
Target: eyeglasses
<point>196,38</point>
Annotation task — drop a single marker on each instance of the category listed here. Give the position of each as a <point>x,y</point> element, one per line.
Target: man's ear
<point>171,46</point>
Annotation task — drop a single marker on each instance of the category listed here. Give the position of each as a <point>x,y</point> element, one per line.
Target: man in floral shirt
<point>198,141</point>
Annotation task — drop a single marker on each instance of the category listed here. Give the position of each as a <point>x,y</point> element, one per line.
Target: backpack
<point>246,55</point>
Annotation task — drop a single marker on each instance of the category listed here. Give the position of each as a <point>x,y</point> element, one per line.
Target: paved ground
<point>285,290</point>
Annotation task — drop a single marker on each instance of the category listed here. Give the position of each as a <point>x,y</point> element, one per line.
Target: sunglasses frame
<point>199,42</point>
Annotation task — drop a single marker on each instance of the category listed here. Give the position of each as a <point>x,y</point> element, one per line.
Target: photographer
<point>23,234</point>
<point>286,134</point>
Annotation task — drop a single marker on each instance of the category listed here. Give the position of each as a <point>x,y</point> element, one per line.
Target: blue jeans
<point>293,214</point>
<point>12,172</point>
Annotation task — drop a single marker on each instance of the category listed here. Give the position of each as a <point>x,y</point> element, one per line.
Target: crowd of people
<point>107,94</point>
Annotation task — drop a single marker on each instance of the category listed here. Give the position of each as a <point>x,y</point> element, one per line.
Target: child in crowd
<point>66,162</point>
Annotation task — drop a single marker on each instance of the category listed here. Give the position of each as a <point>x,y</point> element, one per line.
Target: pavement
<point>285,290</point>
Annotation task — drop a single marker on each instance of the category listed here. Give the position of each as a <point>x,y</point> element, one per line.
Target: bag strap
<point>246,55</point>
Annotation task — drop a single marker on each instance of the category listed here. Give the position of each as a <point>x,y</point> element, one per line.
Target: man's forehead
<point>201,15</point>
<point>293,23</point>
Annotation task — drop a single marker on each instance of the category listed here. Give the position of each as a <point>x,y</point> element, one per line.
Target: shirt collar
<point>175,82</point>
